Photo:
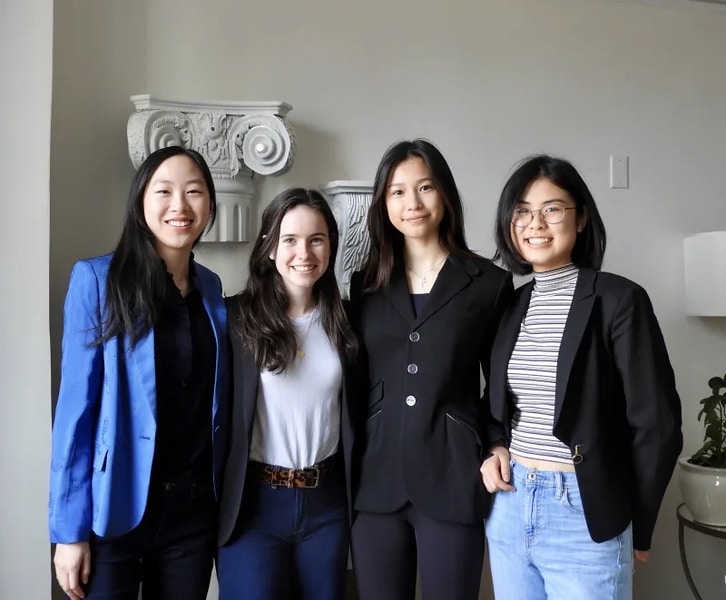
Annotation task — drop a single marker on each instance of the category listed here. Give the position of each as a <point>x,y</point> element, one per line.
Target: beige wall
<point>488,82</point>
<point>26,37</point>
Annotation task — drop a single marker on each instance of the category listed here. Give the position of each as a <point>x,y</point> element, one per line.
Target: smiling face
<point>547,246</point>
<point>414,204</point>
<point>302,254</point>
<point>177,206</point>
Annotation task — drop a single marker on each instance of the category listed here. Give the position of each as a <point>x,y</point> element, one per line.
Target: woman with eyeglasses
<point>585,415</point>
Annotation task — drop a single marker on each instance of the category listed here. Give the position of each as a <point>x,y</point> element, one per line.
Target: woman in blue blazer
<point>138,437</point>
<point>585,414</point>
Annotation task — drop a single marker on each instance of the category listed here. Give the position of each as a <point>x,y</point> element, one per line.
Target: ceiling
<point>712,5</point>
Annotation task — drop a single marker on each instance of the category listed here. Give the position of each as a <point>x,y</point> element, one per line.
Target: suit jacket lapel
<point>248,395</point>
<point>575,326</point>
<point>509,328</point>
<point>454,276</point>
<point>507,335</point>
<point>246,380</point>
<point>398,295</point>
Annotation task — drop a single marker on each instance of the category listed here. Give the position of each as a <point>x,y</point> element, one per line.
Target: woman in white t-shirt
<point>284,514</point>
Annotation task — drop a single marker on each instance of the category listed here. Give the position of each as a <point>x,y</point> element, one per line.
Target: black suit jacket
<point>245,383</point>
<point>615,400</point>
<point>423,418</point>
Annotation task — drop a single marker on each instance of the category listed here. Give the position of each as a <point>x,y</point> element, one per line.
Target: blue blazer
<point>105,425</point>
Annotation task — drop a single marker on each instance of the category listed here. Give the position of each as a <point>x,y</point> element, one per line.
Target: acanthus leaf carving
<point>236,139</point>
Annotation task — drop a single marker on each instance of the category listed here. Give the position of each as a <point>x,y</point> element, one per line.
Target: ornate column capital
<point>349,201</point>
<point>239,140</point>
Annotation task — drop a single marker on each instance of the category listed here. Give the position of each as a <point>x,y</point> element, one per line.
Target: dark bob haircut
<point>589,247</point>
<point>386,240</point>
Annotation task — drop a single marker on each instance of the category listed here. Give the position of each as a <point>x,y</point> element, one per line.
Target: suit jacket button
<point>412,369</point>
<point>411,400</point>
<point>414,336</point>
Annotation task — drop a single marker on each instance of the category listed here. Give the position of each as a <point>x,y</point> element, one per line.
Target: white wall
<point>99,55</point>
<point>488,82</point>
<point>26,37</point>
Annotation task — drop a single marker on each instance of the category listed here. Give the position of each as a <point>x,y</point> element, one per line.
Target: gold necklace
<point>424,278</point>
<point>301,343</point>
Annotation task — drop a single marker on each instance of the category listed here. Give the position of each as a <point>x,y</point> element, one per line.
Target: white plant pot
<point>704,492</point>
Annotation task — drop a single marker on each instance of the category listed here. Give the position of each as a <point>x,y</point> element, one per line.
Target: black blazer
<point>245,381</point>
<point>423,419</point>
<point>615,399</point>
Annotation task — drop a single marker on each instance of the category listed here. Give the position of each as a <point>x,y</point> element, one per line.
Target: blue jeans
<point>540,548</point>
<point>293,544</point>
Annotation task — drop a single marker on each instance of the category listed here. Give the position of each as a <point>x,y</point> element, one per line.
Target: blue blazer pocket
<point>100,459</point>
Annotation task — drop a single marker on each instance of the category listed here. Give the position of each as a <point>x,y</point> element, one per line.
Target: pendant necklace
<point>422,279</point>
<point>300,352</point>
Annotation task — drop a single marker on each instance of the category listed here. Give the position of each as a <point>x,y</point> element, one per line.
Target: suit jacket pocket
<point>375,400</point>
<point>466,428</point>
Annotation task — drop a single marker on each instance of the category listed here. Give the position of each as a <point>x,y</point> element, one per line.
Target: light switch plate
<point>619,172</point>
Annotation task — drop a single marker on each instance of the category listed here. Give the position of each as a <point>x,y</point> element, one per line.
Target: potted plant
<point>702,476</point>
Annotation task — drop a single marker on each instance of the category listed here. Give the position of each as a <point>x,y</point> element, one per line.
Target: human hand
<point>641,555</point>
<point>496,471</point>
<point>73,568</point>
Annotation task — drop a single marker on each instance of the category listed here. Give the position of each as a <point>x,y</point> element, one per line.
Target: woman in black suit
<point>284,511</point>
<point>425,310</point>
<point>585,415</point>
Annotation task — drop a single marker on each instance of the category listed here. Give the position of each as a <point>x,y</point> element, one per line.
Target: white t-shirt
<point>297,419</point>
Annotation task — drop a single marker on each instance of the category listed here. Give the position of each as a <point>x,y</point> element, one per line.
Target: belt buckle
<point>312,471</point>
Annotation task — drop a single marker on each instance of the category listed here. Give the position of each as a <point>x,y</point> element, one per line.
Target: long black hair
<point>589,248</point>
<point>136,281</point>
<point>263,324</point>
<point>386,241</point>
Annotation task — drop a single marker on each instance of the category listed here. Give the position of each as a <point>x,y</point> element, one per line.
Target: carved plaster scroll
<point>349,201</point>
<point>241,141</point>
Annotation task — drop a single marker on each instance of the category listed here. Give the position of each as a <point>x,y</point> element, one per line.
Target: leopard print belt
<point>309,477</point>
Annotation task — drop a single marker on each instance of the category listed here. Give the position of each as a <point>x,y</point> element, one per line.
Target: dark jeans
<point>293,544</point>
<point>169,554</point>
<point>387,548</point>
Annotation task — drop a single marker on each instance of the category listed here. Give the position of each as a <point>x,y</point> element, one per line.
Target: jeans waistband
<point>547,479</point>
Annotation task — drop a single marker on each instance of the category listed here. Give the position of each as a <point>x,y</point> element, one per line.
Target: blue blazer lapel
<point>214,305</point>
<point>142,358</point>
<point>574,330</point>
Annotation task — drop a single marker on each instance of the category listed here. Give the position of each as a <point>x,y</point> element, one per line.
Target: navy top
<point>185,355</point>
<point>418,301</point>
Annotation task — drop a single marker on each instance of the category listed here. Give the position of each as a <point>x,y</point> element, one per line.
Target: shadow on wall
<point>99,58</point>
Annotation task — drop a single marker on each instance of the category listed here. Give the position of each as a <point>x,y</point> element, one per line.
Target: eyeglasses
<point>552,214</point>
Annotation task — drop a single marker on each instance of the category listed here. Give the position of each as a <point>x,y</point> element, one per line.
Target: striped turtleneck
<point>532,371</point>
